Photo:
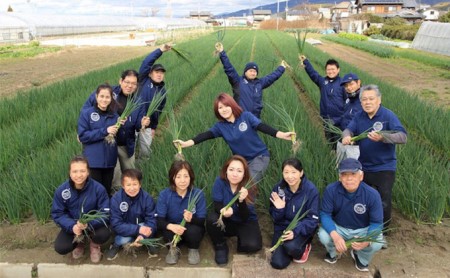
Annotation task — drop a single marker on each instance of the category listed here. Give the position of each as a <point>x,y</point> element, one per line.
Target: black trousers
<point>248,233</point>
<point>191,237</point>
<point>291,249</point>
<point>64,241</point>
<point>332,138</point>
<point>383,182</point>
<point>103,176</point>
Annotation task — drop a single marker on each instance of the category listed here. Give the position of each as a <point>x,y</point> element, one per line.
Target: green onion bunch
<point>192,202</point>
<point>154,104</point>
<point>291,225</point>
<point>219,223</point>
<point>133,103</point>
<point>85,218</point>
<point>288,123</point>
<point>175,130</point>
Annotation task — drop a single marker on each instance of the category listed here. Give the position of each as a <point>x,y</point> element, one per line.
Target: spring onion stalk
<point>133,103</point>
<point>192,202</point>
<point>288,123</point>
<point>85,218</point>
<point>148,242</point>
<point>220,37</point>
<point>330,127</point>
<point>184,55</point>
<point>300,43</point>
<point>219,223</point>
<point>154,104</point>
<point>175,131</point>
<point>372,236</point>
<point>291,225</point>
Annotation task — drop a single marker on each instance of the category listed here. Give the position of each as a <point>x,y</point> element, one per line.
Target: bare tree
<point>155,11</point>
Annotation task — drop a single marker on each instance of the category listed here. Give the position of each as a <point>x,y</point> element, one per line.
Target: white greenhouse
<point>433,37</point>
<point>19,27</point>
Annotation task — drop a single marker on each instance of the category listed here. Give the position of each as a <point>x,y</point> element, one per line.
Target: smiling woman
<point>239,130</point>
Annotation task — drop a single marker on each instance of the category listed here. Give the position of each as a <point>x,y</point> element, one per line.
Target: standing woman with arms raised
<point>94,125</point>
<point>78,194</point>
<point>240,219</point>
<point>239,130</point>
<point>294,192</point>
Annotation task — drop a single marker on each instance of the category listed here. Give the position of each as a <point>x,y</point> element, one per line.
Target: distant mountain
<point>293,3</point>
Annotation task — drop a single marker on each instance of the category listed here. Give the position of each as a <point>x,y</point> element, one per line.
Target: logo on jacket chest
<point>281,192</point>
<point>359,208</point>
<point>123,207</point>
<point>66,194</point>
<point>95,116</point>
<point>243,126</point>
<point>194,210</point>
<point>377,126</point>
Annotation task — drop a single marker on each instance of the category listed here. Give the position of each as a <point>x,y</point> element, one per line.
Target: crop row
<point>423,167</point>
<point>422,179</point>
<point>36,168</point>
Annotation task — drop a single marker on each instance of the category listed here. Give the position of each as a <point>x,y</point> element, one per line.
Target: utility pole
<point>278,12</point>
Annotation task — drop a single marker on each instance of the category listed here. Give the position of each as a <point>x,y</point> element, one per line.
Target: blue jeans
<point>122,240</point>
<point>365,255</point>
<point>258,166</point>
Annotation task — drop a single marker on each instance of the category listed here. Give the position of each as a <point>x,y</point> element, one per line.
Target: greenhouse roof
<point>46,20</point>
<point>433,37</point>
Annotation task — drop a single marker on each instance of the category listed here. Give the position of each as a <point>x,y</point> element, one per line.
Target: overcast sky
<point>180,8</point>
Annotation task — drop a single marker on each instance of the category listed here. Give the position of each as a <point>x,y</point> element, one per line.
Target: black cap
<point>158,67</point>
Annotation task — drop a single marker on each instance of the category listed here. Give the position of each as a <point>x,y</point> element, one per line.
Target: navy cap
<point>349,165</point>
<point>251,65</point>
<point>349,77</point>
<point>158,67</point>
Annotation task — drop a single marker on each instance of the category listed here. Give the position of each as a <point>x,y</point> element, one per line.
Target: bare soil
<point>414,250</point>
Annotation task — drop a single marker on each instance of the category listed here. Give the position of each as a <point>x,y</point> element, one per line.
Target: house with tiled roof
<point>379,7</point>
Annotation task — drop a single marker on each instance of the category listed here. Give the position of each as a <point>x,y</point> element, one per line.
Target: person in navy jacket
<point>351,208</point>
<point>78,194</point>
<point>239,130</point>
<point>94,125</point>
<point>151,83</point>
<point>378,149</point>
<point>332,94</point>
<point>126,135</point>
<point>352,85</point>
<point>132,213</point>
<point>294,192</point>
<point>172,209</point>
<point>248,88</point>
<point>240,219</point>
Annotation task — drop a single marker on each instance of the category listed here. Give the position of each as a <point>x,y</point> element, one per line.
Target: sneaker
<point>385,245</point>
<point>305,255</point>
<point>172,257</point>
<point>221,256</point>
<point>152,251</point>
<point>330,260</point>
<point>193,256</point>
<point>112,252</point>
<point>96,252</point>
<point>78,252</point>
<point>359,266</point>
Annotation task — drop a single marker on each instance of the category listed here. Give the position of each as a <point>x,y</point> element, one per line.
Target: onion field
<point>38,128</point>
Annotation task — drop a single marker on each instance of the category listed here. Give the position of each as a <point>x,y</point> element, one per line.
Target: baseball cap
<point>349,165</point>
<point>349,77</point>
<point>158,67</point>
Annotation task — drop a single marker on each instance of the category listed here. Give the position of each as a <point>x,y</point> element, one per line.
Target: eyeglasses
<point>130,83</point>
